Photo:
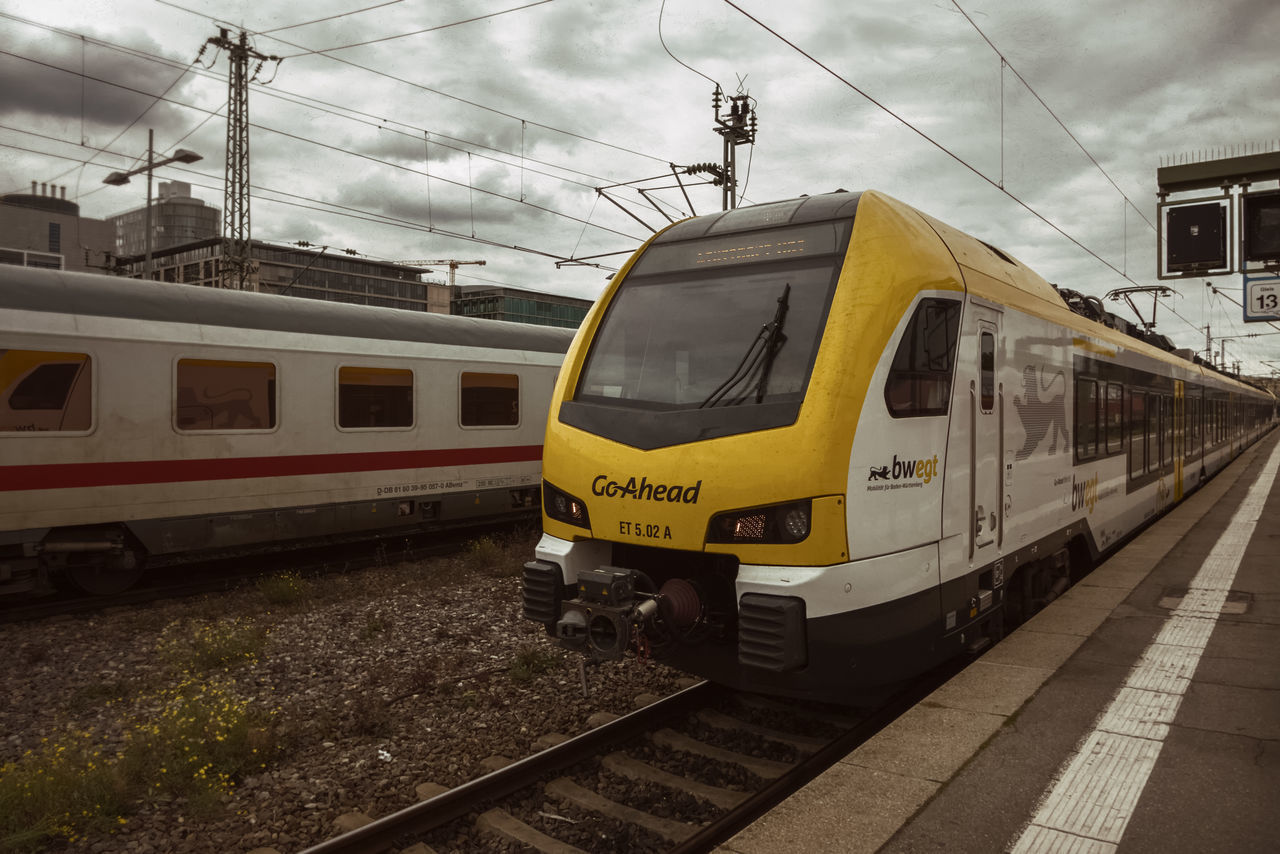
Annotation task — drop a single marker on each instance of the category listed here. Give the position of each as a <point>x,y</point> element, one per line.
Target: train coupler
<point>610,614</point>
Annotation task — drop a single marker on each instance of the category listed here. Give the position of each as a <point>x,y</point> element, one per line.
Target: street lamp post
<point>182,155</point>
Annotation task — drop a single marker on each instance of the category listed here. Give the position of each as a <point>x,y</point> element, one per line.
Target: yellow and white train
<point>817,446</point>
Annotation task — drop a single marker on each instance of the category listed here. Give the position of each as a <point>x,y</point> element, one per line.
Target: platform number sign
<point>1261,298</point>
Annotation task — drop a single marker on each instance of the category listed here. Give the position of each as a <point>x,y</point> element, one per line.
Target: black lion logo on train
<point>1042,408</point>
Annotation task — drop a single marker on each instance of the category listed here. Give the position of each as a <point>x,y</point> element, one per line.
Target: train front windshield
<point>711,336</point>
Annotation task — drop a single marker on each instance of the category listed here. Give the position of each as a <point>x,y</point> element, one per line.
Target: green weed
<point>208,645</point>
<point>532,661</point>
<point>286,588</point>
<point>192,740</point>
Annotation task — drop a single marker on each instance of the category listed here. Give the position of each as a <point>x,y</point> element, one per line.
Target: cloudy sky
<point>483,129</point>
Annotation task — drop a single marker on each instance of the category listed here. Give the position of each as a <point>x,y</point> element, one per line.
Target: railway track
<point>681,774</point>
<point>176,580</point>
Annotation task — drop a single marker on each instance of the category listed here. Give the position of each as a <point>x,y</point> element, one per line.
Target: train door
<point>986,440</point>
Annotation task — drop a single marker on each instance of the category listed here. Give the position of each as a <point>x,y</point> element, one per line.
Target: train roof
<point>60,292</point>
<point>1003,279</point>
<point>1008,281</point>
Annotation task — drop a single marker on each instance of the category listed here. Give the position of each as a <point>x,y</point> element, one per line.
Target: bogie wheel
<point>99,576</point>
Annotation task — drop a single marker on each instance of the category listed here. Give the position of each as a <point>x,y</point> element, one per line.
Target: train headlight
<point>795,522</point>
<point>563,507</point>
<point>778,523</point>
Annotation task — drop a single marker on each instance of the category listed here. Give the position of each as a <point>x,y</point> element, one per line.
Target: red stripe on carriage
<point>79,475</point>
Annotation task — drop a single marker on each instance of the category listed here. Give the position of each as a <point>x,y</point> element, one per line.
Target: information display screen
<point>755,247</point>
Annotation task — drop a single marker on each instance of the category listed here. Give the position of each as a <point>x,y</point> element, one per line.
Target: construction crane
<point>453,266</point>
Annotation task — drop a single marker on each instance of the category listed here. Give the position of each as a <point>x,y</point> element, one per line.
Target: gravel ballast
<point>380,680</point>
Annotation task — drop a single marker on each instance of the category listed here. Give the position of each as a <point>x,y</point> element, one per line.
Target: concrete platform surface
<point>1139,712</point>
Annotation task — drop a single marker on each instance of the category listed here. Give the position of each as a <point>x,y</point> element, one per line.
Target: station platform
<point>1139,712</point>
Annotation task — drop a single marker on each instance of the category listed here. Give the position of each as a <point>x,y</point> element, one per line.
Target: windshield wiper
<point>758,359</point>
<point>774,340</point>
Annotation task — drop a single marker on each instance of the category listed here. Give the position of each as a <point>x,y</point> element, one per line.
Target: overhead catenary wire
<point>307,203</point>
<point>391,124</point>
<point>443,94</point>
<point>347,113</point>
<point>942,148</point>
<point>332,147</point>
<point>998,185</point>
<point>1004,62</point>
<point>331,17</point>
<point>327,50</point>
<point>661,11</point>
<point>381,123</point>
<point>128,127</point>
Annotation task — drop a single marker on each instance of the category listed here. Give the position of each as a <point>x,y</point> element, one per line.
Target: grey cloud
<point>116,87</point>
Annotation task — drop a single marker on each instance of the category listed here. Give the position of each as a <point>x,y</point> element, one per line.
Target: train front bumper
<point>803,631</point>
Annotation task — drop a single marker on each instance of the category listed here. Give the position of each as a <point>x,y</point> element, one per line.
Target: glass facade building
<point>519,306</point>
<point>176,218</point>
<point>309,274</point>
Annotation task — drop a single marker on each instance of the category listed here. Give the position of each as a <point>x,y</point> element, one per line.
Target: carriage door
<point>986,440</point>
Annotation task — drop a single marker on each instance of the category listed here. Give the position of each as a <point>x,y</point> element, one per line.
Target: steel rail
<point>428,815</point>
<point>718,832</point>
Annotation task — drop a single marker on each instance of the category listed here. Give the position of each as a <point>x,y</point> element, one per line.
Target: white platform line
<point>1097,790</point>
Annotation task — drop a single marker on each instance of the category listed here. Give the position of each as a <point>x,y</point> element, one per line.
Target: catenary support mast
<point>237,265</point>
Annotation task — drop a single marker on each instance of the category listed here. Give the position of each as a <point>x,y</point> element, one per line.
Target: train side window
<point>1189,429</point>
<point>988,378</point>
<point>1115,418</point>
<point>1193,425</point>
<point>1137,433</point>
<point>213,394</point>
<point>1155,432</point>
<point>919,380</point>
<point>1086,419</point>
<point>375,397</point>
<point>45,391</point>
<point>1167,457</point>
<point>489,400</point>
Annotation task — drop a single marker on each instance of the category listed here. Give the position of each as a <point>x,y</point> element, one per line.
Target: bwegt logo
<point>1084,493</point>
<point>921,470</point>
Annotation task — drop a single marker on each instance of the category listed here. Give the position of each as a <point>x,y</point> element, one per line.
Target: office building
<point>176,218</point>
<point>43,229</point>
<point>520,306</point>
<point>310,273</point>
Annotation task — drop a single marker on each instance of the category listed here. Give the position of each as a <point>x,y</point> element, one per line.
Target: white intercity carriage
<point>144,422</point>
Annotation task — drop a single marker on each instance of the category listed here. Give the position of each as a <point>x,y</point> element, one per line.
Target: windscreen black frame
<point>788,276</point>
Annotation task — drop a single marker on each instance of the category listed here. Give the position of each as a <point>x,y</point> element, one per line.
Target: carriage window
<point>490,400</point>
<point>219,395</point>
<point>1115,418</point>
<point>375,397</point>
<point>1137,433</point>
<point>1189,421</point>
<point>1168,430</point>
<point>988,371</point>
<point>1086,419</point>
<point>920,377</point>
<point>44,391</point>
<point>1155,432</point>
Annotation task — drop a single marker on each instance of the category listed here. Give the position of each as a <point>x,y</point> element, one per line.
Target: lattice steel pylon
<point>237,265</point>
